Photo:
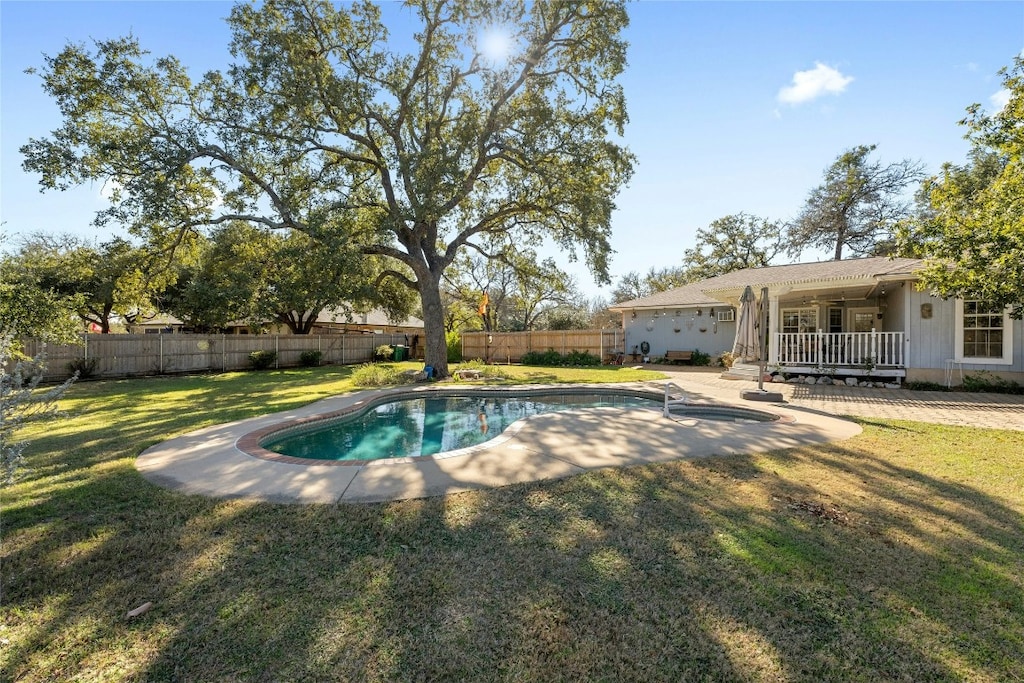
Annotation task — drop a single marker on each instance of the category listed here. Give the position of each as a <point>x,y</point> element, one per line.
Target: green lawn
<point>896,555</point>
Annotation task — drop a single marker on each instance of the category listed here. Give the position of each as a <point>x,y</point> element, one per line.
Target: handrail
<point>867,349</point>
<point>669,402</point>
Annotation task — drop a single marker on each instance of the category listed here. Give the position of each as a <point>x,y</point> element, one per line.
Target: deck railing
<point>840,349</point>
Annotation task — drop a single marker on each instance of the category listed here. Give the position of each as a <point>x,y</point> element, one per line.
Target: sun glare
<point>496,45</point>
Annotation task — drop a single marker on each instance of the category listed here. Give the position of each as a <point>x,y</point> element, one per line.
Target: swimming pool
<point>427,426</point>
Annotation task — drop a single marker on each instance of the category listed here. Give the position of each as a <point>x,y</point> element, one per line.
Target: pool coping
<point>251,442</point>
<point>226,460</point>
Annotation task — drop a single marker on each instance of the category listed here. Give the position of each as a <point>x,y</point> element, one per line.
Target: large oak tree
<point>436,149</point>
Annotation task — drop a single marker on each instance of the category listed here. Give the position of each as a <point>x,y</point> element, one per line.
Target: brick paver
<point>995,411</point>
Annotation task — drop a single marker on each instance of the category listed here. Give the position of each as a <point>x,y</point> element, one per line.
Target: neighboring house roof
<point>723,288</point>
<point>377,317</point>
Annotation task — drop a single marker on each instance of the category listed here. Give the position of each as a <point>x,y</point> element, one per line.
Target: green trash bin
<point>401,352</point>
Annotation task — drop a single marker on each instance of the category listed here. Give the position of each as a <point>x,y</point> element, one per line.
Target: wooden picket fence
<point>509,347</point>
<point>136,355</point>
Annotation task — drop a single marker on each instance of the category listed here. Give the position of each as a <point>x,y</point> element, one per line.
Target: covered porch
<point>848,353</point>
<point>849,328</point>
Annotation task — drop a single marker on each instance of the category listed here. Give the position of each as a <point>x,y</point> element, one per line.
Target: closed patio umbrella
<point>747,345</point>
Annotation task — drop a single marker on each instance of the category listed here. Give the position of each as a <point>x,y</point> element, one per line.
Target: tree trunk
<point>435,349</point>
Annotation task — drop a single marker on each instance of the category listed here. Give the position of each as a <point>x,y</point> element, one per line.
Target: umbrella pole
<point>762,357</point>
<point>763,327</point>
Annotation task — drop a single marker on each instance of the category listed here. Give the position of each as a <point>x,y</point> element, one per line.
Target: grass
<point>896,555</point>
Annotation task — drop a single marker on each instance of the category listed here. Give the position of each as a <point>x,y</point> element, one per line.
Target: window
<point>983,333</point>
<point>800,320</point>
<point>726,316</point>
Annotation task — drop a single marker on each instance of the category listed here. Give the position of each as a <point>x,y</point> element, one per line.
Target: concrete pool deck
<point>550,446</point>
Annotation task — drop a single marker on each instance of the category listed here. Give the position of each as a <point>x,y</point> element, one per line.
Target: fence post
<point>277,351</point>
<point>86,338</point>
<point>224,352</point>
<point>160,366</point>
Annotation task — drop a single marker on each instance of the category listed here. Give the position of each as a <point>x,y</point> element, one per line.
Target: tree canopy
<point>108,280</point>
<point>971,229</point>
<point>433,151</point>
<point>258,276</point>
<point>857,207</point>
<point>733,243</point>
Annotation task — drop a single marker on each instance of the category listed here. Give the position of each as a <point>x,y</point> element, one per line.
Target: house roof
<point>377,317</point>
<point>724,288</point>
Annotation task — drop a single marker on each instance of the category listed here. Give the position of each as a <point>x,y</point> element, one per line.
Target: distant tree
<point>107,280</point>
<point>567,318</point>
<point>600,316</point>
<point>732,243</point>
<point>857,207</point>
<point>257,275</point>
<point>664,279</point>
<point>322,113</point>
<point>28,311</point>
<point>971,230</point>
<point>633,285</point>
<point>630,286</point>
<point>520,288</point>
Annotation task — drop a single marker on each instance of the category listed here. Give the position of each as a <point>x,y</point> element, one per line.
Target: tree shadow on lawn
<point>686,570</point>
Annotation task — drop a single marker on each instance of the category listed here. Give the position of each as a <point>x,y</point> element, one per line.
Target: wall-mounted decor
<point>926,311</point>
<point>650,324</point>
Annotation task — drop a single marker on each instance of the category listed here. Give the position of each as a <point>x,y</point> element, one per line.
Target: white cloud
<point>1000,99</point>
<point>812,84</point>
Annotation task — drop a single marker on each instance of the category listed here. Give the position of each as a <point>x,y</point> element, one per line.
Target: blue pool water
<point>427,426</point>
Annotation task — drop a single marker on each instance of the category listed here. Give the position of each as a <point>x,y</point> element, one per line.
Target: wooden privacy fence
<point>134,355</point>
<point>509,347</point>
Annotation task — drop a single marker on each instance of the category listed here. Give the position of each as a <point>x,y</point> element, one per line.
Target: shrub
<point>261,360</point>
<point>85,367</point>
<point>21,401</point>
<point>373,375</point>
<point>700,358</point>
<point>985,381</point>
<point>726,359</point>
<point>549,358</point>
<point>453,340</point>
<point>384,352</point>
<point>925,386</point>
<point>310,358</point>
<point>581,359</point>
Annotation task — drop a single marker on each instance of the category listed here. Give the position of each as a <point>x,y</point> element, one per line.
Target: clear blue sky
<point>734,106</point>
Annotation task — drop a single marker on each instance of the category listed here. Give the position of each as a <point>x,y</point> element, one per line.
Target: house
<point>849,318</point>
<point>376,321</point>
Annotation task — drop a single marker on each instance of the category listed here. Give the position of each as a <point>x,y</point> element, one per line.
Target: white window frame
<point>958,341</point>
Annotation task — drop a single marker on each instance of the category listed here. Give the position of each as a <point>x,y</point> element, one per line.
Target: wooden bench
<point>679,356</point>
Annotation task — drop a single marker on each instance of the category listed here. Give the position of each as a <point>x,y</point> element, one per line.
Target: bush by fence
<point>136,355</point>
<point>510,347</point>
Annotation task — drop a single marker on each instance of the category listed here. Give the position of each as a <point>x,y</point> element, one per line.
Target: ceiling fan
<point>819,299</point>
